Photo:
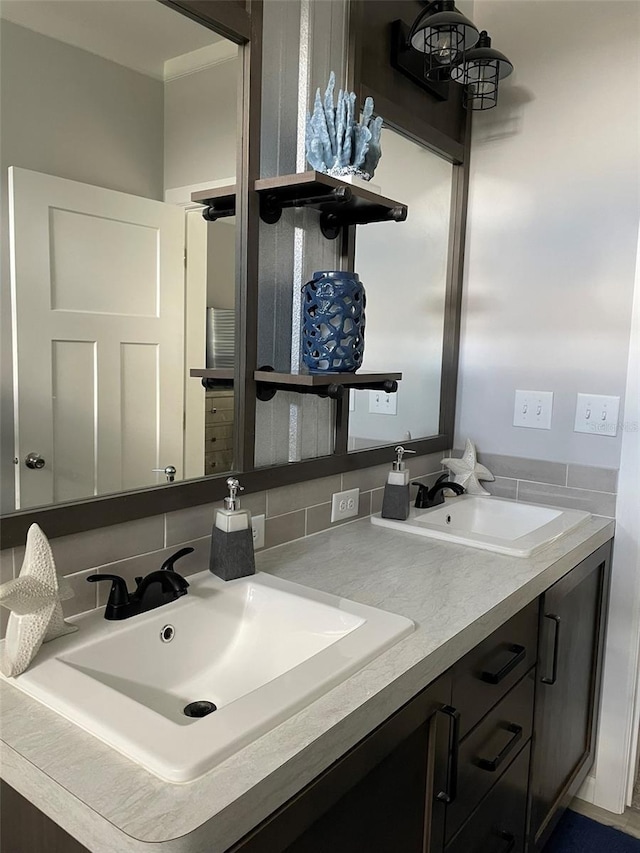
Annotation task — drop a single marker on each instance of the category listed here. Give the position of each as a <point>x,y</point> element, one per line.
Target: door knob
<point>169,472</point>
<point>34,460</point>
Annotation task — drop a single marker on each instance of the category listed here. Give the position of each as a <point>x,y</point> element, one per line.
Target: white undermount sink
<point>259,648</point>
<point>490,523</point>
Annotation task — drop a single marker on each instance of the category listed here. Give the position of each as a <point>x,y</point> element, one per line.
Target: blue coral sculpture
<point>338,144</point>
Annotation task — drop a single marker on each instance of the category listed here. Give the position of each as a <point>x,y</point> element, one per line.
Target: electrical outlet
<point>597,414</point>
<point>381,403</point>
<point>257,529</point>
<point>345,504</point>
<point>533,409</point>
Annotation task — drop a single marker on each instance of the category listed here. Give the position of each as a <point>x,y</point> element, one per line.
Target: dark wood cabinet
<point>387,794</point>
<point>572,628</point>
<point>498,824</point>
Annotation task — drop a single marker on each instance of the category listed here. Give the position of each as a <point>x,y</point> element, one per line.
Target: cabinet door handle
<point>519,654</point>
<point>451,792</point>
<point>556,645</point>
<point>507,837</point>
<point>492,764</point>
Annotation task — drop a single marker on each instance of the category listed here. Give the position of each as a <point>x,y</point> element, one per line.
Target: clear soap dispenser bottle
<point>396,499</point>
<point>232,554</point>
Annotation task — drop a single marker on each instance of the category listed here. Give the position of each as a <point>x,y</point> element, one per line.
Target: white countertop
<point>456,596</point>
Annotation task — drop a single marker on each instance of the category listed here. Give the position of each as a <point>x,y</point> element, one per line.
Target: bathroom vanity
<point>479,725</point>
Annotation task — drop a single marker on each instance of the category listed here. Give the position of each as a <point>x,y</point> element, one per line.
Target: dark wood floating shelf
<point>331,385</point>
<point>218,202</point>
<point>214,377</point>
<point>340,203</point>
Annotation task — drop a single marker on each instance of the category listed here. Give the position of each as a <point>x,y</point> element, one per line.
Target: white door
<point>97,280</point>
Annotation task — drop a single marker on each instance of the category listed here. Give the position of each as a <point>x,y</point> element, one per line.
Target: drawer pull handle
<point>451,792</point>
<point>492,764</point>
<point>519,654</point>
<point>510,840</point>
<point>556,646</point>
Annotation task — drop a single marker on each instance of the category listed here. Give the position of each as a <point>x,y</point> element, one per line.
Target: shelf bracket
<point>218,208</point>
<point>272,204</point>
<point>331,222</point>
<point>212,384</point>
<point>266,391</point>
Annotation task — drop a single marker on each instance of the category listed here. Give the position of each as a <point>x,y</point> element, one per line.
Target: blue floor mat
<point>578,834</point>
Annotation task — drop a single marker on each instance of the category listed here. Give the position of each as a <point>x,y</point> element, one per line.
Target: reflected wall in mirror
<point>112,115</point>
<point>404,270</point>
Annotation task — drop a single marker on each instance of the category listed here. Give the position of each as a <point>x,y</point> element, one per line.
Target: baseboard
<point>587,790</point>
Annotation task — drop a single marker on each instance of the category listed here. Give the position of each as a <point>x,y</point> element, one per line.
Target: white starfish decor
<point>34,600</point>
<point>468,471</point>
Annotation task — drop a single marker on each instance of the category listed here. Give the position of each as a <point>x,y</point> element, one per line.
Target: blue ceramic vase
<point>333,322</point>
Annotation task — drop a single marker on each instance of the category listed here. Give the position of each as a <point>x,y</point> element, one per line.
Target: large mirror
<point>404,270</point>
<point>113,286</point>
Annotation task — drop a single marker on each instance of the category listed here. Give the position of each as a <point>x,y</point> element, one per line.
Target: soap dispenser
<point>232,538</point>
<point>396,498</point>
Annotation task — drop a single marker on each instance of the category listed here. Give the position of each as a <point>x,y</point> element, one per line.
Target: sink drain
<point>199,709</point>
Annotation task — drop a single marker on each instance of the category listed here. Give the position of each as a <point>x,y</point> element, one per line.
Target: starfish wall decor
<point>468,472</point>
<point>34,601</point>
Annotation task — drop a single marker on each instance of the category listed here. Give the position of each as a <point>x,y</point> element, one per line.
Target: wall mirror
<point>404,270</point>
<point>113,114</point>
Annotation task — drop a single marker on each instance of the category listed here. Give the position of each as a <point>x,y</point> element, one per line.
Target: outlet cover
<point>345,504</point>
<point>597,414</point>
<point>257,529</point>
<point>381,403</point>
<point>533,409</point>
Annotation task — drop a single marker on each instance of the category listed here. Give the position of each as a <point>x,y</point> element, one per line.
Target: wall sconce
<point>442,45</point>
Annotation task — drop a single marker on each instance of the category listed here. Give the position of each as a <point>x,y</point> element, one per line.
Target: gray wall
<point>200,144</point>
<point>221,264</point>
<point>69,113</point>
<point>553,218</point>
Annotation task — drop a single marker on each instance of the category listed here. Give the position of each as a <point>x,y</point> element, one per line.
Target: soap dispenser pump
<point>232,554</point>
<point>396,498</point>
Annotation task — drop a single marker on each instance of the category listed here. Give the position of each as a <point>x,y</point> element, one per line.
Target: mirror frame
<point>241,22</point>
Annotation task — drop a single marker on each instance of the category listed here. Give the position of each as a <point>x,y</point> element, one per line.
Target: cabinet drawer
<point>218,434</point>
<point>489,749</point>
<point>498,824</point>
<point>216,462</point>
<point>490,670</point>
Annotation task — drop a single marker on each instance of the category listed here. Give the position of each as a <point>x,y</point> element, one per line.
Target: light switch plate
<point>597,414</point>
<point>381,403</point>
<point>533,409</point>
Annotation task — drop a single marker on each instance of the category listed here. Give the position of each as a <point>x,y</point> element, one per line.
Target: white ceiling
<point>141,34</point>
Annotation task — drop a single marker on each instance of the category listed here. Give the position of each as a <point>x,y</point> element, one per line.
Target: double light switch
<point>597,414</point>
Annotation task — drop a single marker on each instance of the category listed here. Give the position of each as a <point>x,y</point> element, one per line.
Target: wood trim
<point>248,218</point>
<point>453,296</point>
<point>322,380</point>
<point>229,18</point>
<point>80,516</point>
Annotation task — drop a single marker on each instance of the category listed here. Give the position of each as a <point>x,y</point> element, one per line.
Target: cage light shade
<point>480,73</point>
<point>442,35</point>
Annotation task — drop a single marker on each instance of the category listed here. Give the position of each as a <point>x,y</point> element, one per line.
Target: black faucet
<point>428,497</point>
<point>154,590</point>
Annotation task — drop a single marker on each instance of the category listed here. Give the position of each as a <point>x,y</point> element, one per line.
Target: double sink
<point>180,688</point>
